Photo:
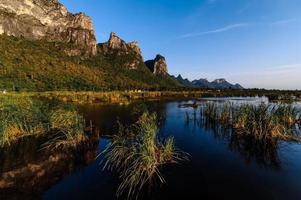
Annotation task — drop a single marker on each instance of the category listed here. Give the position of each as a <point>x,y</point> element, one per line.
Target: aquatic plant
<point>259,121</point>
<point>137,154</point>
<point>287,114</point>
<point>211,111</point>
<point>225,114</point>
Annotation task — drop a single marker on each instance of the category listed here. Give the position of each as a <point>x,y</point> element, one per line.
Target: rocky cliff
<point>158,66</point>
<point>48,20</point>
<point>118,47</point>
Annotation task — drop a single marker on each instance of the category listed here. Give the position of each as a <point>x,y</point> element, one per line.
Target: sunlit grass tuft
<point>137,154</point>
<point>22,116</point>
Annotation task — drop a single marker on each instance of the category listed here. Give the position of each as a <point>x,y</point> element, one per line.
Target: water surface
<point>221,166</point>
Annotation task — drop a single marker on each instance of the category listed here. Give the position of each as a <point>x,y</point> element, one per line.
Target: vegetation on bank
<point>43,66</point>
<point>137,154</point>
<point>22,116</point>
<point>262,122</point>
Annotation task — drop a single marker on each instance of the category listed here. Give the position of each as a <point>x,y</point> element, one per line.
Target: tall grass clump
<point>137,154</point>
<point>258,121</point>
<point>287,114</point>
<point>211,111</point>
<point>22,116</point>
<point>19,117</point>
<point>66,128</point>
<point>218,112</point>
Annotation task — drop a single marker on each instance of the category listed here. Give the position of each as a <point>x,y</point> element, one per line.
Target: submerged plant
<point>137,154</point>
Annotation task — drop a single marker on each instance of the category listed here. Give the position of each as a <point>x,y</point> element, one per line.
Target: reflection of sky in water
<point>221,166</point>
<point>239,100</point>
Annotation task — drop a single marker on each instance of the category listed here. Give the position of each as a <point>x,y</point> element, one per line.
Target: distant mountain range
<point>204,83</point>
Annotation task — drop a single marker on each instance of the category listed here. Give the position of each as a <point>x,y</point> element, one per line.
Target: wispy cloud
<point>218,30</point>
<point>283,22</point>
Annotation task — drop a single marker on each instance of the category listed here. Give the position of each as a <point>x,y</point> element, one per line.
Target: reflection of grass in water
<point>260,122</point>
<point>25,116</point>
<point>264,152</point>
<point>137,154</point>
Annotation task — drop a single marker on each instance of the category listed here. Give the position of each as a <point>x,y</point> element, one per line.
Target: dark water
<point>221,166</point>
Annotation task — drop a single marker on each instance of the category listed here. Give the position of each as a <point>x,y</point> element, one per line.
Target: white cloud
<point>282,22</point>
<point>218,30</point>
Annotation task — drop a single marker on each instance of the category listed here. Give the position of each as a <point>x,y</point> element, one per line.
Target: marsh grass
<point>23,116</point>
<point>137,153</point>
<point>66,128</point>
<point>259,121</point>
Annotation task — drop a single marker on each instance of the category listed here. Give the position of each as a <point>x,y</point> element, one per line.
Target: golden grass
<point>22,116</point>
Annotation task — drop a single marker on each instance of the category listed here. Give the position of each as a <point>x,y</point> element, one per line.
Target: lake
<point>220,166</point>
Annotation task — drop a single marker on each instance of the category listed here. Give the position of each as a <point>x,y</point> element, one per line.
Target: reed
<point>211,111</point>
<point>137,154</point>
<point>259,121</point>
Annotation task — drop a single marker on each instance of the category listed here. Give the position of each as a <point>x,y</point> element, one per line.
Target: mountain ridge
<point>45,47</point>
<point>220,83</point>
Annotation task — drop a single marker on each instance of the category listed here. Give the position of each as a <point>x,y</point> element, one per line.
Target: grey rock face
<point>48,20</point>
<point>115,45</point>
<point>158,66</point>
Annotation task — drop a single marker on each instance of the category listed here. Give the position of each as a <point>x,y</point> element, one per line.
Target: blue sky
<point>253,42</point>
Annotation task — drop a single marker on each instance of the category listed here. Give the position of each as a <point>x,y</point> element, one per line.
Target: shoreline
<point>124,97</point>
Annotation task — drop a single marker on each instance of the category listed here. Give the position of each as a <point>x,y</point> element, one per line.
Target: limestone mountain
<point>118,47</point>
<point>48,20</point>
<point>158,66</point>
<point>44,47</point>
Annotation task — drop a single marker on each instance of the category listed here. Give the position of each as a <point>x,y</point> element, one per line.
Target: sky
<point>256,43</point>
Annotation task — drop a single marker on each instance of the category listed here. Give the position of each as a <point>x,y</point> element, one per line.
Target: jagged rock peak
<point>180,77</point>
<point>115,42</point>
<point>135,46</point>
<point>115,45</point>
<point>49,20</point>
<point>158,66</point>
